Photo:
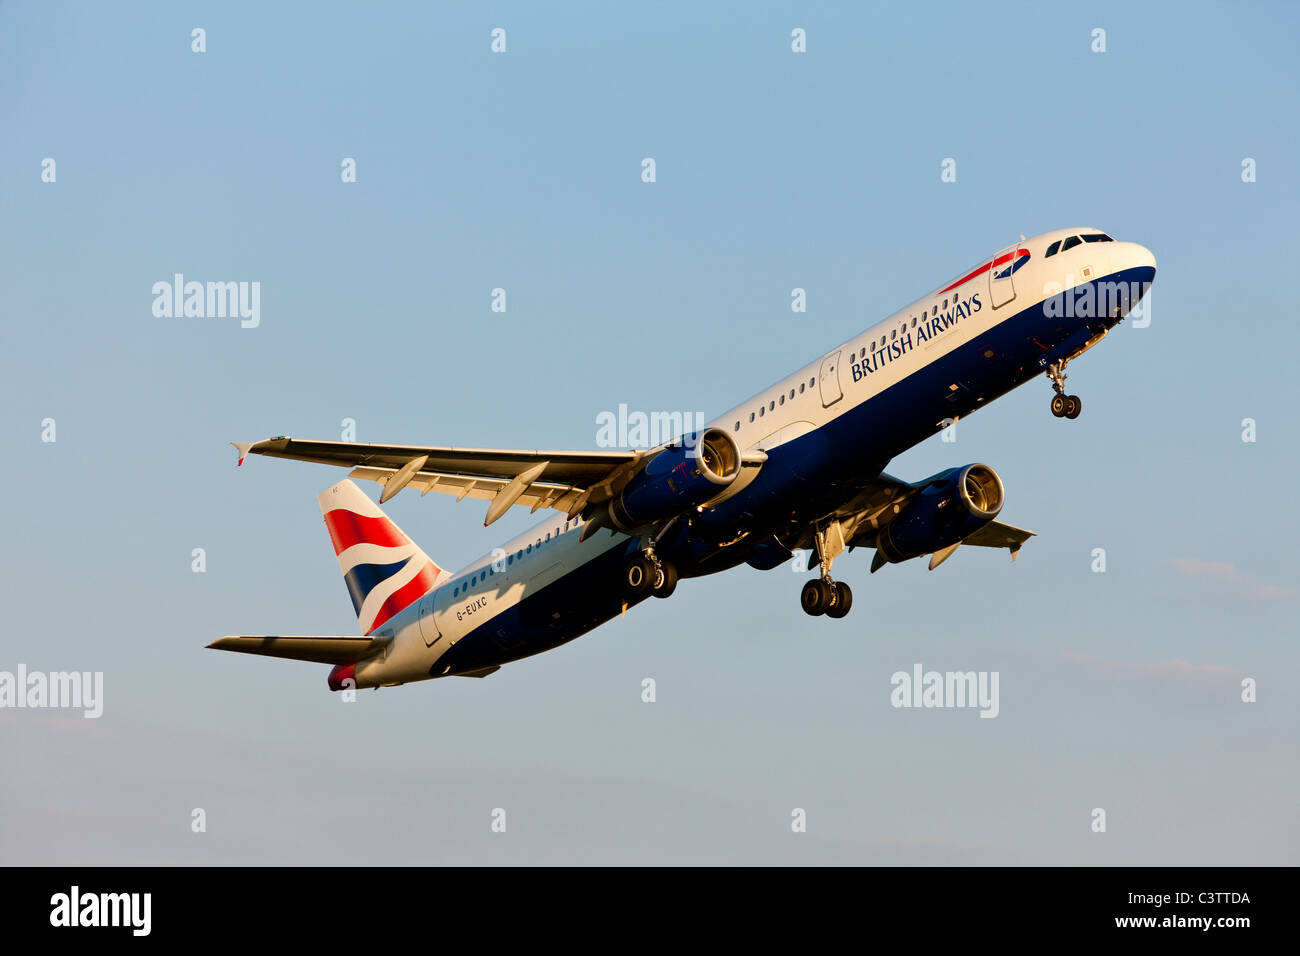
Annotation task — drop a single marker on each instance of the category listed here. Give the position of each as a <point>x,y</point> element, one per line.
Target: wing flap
<point>302,647</point>
<point>537,494</point>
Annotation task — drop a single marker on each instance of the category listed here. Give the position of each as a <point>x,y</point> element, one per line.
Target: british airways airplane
<point>798,466</point>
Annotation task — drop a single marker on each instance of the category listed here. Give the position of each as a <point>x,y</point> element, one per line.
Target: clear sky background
<point>1119,690</point>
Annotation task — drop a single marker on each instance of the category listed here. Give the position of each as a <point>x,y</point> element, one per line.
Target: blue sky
<point>775,170</point>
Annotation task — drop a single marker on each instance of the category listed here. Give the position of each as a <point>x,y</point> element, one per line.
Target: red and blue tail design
<point>384,569</point>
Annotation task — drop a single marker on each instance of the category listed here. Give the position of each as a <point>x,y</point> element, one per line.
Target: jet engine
<point>952,505</point>
<point>684,475</point>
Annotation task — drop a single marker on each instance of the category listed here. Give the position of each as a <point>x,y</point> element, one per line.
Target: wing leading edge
<point>568,481</point>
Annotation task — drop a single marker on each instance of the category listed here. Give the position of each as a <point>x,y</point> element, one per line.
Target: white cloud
<point>1174,671</point>
<point>1240,583</point>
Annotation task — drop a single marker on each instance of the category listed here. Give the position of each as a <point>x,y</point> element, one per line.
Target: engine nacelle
<point>685,474</point>
<point>952,505</point>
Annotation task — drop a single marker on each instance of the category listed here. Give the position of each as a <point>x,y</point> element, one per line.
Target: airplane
<point>799,466</point>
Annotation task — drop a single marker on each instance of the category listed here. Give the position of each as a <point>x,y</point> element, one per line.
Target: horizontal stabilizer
<point>302,647</point>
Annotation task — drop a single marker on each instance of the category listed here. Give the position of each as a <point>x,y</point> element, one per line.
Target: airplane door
<point>829,380</point>
<point>428,624</point>
<point>1001,287</point>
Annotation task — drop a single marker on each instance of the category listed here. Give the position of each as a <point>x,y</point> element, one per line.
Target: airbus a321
<point>799,466</point>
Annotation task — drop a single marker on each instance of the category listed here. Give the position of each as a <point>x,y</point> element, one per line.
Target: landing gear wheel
<point>639,576</point>
<point>816,597</point>
<point>843,601</point>
<point>665,580</point>
<point>1059,405</point>
<point>1073,406</point>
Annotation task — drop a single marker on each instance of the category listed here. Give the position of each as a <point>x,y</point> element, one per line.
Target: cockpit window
<point>1052,249</point>
<point>1098,237</point>
<point>1071,243</point>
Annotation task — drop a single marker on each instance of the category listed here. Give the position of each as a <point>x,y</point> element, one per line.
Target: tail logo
<point>384,571</point>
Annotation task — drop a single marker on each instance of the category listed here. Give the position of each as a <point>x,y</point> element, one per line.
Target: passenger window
<point>783,398</point>
<point>510,559</point>
<point>812,381</point>
<point>772,407</point>
<point>1052,249</point>
<point>737,428</point>
<point>913,321</point>
<point>893,334</point>
<point>751,416</point>
<point>945,303</point>
<point>792,394</point>
<point>1071,243</point>
<point>801,388</point>
<point>761,410</point>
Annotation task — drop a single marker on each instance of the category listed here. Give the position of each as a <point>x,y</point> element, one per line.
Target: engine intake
<point>953,505</point>
<point>684,475</point>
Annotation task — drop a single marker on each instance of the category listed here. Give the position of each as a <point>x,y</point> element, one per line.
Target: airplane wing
<point>995,534</point>
<point>877,504</point>
<point>567,481</point>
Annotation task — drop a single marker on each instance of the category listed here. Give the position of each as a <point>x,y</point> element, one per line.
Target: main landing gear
<point>825,596</point>
<point>647,573</point>
<point>1063,406</point>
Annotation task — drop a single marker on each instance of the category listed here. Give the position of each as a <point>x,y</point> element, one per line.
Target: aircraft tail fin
<point>385,571</point>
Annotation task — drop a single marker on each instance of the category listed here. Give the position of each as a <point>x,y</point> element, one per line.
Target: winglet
<point>241,447</point>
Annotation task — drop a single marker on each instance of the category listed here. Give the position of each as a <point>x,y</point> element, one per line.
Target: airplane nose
<point>1144,258</point>
<point>1135,261</point>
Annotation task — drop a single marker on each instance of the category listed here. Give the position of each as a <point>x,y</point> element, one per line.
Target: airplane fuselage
<point>828,429</point>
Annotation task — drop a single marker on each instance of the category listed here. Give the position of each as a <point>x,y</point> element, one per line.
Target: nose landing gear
<point>1063,406</point>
